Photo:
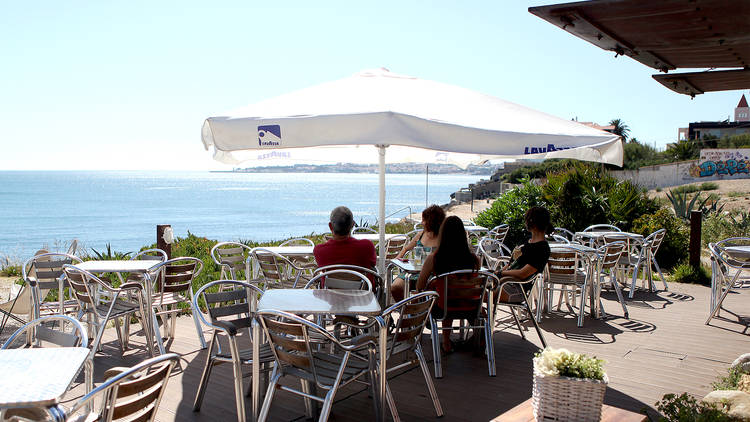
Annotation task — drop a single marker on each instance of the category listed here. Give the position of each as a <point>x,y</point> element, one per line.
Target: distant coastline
<point>402,168</point>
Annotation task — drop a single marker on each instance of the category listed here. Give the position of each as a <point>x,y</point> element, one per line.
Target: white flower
<point>547,361</point>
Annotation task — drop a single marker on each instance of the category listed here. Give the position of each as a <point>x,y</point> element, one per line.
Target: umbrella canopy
<point>377,107</point>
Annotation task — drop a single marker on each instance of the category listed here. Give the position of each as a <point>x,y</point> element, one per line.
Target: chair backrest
<point>493,252</point>
<point>84,286</point>
<point>227,300</point>
<point>499,232</point>
<point>339,279</point>
<point>364,230</point>
<point>653,241</point>
<point>561,231</point>
<point>602,228</point>
<point>376,280</point>
<point>418,226</point>
<point>724,256</point>
<point>230,256</point>
<point>176,275</point>
<point>150,255</point>
<point>394,245</point>
<point>559,239</point>
<point>462,292</point>
<point>131,394</point>
<point>609,254</point>
<point>276,270</point>
<point>51,329</point>
<point>408,319</point>
<point>45,270</point>
<point>298,241</point>
<point>564,263</point>
<point>293,341</point>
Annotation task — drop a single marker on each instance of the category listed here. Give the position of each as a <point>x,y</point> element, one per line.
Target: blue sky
<point>127,85</point>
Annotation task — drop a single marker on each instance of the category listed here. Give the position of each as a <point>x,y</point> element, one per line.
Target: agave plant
<point>682,207</point>
<point>109,254</point>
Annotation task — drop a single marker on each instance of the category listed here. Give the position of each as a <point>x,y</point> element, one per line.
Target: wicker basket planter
<point>557,398</point>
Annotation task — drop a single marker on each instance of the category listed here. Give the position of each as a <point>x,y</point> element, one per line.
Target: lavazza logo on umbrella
<point>269,135</point>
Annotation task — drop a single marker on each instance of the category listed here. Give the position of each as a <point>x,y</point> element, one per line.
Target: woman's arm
<point>522,274</point>
<point>427,269</point>
<point>409,246</point>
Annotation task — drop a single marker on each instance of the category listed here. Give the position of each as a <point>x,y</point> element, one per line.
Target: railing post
<point>695,238</point>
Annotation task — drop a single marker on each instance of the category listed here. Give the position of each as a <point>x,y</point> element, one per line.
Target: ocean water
<point>49,208</point>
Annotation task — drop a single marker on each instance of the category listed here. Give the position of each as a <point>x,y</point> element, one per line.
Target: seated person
<point>427,239</point>
<point>452,254</point>
<point>342,248</point>
<point>533,257</point>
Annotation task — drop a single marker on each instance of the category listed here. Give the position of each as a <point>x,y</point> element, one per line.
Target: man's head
<point>342,221</point>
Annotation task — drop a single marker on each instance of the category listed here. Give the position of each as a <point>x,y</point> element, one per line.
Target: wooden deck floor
<point>664,347</point>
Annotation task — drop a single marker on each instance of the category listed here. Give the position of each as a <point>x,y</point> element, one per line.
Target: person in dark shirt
<point>534,253</point>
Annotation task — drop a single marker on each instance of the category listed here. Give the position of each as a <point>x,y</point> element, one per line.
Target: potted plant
<point>568,386</point>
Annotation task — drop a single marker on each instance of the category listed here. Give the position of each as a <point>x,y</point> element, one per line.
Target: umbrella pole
<point>381,211</point>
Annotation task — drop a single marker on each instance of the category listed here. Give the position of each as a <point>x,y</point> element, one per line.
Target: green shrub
<point>685,408</point>
<point>718,226</point>
<point>577,197</point>
<point>510,208</point>
<point>730,381</point>
<point>685,189</point>
<point>686,273</point>
<point>709,186</point>
<point>674,247</point>
<point>10,271</point>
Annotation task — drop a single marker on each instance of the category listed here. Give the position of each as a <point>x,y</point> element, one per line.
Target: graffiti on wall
<point>722,162</point>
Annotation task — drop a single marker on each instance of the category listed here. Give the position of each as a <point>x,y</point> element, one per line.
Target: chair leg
<point>616,284</point>
<point>198,329</point>
<point>118,329</point>
<point>325,411</point>
<point>428,380</point>
<point>635,278</point>
<point>435,336</point>
<point>239,395</point>
<point>716,308</point>
<point>661,276</point>
<point>536,326</point>
<point>518,323</point>
<point>311,407</point>
<point>204,376</point>
<point>269,395</point>
<point>391,403</point>
<point>489,347</point>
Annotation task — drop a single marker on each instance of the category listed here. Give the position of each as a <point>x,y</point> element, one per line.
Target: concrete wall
<point>672,174</point>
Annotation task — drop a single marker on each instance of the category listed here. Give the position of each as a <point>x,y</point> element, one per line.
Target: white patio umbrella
<point>380,108</point>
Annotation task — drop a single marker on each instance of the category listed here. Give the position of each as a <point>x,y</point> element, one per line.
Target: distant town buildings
<point>740,125</point>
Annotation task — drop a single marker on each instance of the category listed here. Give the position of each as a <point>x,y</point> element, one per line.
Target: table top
<point>38,377</point>
<point>373,237</point>
<point>476,228</point>
<point>118,266</point>
<point>612,234</point>
<point>562,247</point>
<point>739,253</point>
<point>406,266</point>
<point>524,412</point>
<point>290,250</point>
<point>321,301</point>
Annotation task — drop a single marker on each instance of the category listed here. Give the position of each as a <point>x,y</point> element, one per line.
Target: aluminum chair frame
<point>235,303</point>
<point>173,278</point>
<point>566,269</point>
<point>394,245</point>
<point>277,271</point>
<point>477,297</point>
<point>493,252</point>
<point>499,232</point>
<point>647,258</point>
<point>230,257</point>
<point>376,280</point>
<point>562,231</point>
<point>132,394</point>
<point>89,301</point>
<point>296,346</point>
<point>609,256</point>
<point>602,228</point>
<point>522,304</point>
<point>722,280</point>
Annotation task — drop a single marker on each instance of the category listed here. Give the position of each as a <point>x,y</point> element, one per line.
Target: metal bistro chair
<point>405,321</point>
<point>276,271</point>
<point>563,232</point>
<point>129,394</point>
<point>307,263</point>
<point>646,259</point>
<point>228,312</point>
<point>494,253</point>
<point>230,257</point>
<point>567,268</point>
<point>463,294</point>
<point>41,274</point>
<point>602,228</point>
<point>45,331</point>
<point>299,345</point>
<point>103,308</point>
<point>174,285</point>
<point>394,245</point>
<point>499,232</point>
<point>727,266</point>
<point>608,257</point>
<point>518,299</point>
<point>375,279</point>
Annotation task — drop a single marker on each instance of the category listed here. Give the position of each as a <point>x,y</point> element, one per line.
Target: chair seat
<point>570,279</point>
<point>327,367</point>
<point>121,307</point>
<point>171,298</point>
<point>54,307</point>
